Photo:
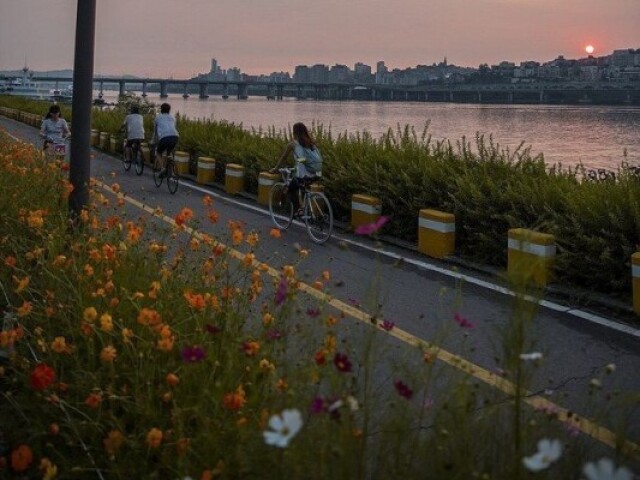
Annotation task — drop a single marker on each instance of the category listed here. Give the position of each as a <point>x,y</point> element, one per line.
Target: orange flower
<point>21,458</point>
<point>113,442</point>
<point>252,239</point>
<point>235,400</point>
<point>106,322</point>
<point>127,333</point>
<point>207,201</point>
<point>166,344</point>
<point>182,445</point>
<point>22,283</point>
<point>93,400</point>
<point>149,317</point>
<point>289,271</point>
<point>213,216</point>
<point>48,469</point>
<point>326,276</point>
<point>88,270</point>
<point>275,233</point>
<point>90,314</point>
<point>108,354</point>
<point>25,309</point>
<point>109,252</point>
<point>54,429</point>
<point>248,259</point>
<point>267,319</point>
<point>154,437</point>
<point>237,236</point>
<point>282,384</point>
<point>194,244</point>
<point>195,301</point>
<point>184,216</point>
<point>155,288</point>
<point>173,379</point>
<point>115,187</point>
<point>59,345</point>
<point>251,348</point>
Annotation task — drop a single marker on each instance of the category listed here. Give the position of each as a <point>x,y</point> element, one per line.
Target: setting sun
<point>589,49</point>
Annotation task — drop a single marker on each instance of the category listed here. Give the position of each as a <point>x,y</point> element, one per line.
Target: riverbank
<point>489,190</point>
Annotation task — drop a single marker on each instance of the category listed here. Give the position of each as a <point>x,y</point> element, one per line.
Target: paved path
<point>414,294</point>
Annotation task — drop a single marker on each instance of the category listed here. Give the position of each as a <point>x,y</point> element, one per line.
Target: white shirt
<point>54,130</point>
<point>135,126</point>
<point>165,126</point>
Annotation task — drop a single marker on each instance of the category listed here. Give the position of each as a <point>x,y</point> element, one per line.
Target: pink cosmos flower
<point>403,389</point>
<point>463,322</point>
<point>281,293</point>
<point>372,227</point>
<point>212,329</point>
<point>387,325</point>
<point>192,354</point>
<point>274,335</point>
<point>342,362</point>
<point>317,405</point>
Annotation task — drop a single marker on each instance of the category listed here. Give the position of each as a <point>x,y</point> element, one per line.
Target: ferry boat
<point>25,87</point>
<point>64,95</point>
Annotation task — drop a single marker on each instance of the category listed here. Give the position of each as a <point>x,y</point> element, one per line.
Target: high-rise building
<point>362,73</point>
<point>302,74</point>
<point>319,73</point>
<point>340,74</point>
<point>214,66</point>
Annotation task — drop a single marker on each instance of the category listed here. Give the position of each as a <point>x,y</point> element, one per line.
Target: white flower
<point>531,356</point>
<point>283,428</point>
<point>548,452</point>
<point>335,406</point>
<point>353,403</point>
<point>605,469</point>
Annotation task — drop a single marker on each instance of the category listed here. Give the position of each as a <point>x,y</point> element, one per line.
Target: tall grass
<point>488,188</point>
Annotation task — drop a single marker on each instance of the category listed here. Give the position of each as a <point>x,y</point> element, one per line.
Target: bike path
<point>421,302</point>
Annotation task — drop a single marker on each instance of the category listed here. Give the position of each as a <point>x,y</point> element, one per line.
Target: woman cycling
<point>54,128</point>
<point>308,162</point>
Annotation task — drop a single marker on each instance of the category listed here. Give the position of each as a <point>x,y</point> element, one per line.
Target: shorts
<point>131,141</point>
<point>166,144</point>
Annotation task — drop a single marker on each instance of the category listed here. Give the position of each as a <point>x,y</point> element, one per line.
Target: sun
<point>589,49</point>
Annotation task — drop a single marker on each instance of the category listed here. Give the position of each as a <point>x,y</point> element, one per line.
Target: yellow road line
<point>584,425</point>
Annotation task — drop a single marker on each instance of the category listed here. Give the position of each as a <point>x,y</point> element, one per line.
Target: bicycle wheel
<point>318,217</point>
<point>156,172</point>
<point>280,206</point>
<point>138,161</point>
<point>172,176</point>
<point>126,162</point>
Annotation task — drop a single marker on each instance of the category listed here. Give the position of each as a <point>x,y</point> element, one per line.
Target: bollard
<point>104,140</point>
<point>265,182</point>
<point>234,178</point>
<point>635,273</point>
<point>115,145</point>
<point>182,162</point>
<point>365,209</point>
<point>436,233</point>
<point>206,170</point>
<point>531,256</point>
<point>146,153</point>
<point>95,138</point>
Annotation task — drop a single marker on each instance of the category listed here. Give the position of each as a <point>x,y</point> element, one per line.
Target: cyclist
<point>54,128</point>
<point>308,162</point>
<point>134,126</point>
<point>165,134</point>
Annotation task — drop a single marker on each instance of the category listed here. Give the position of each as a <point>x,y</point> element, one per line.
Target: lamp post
<point>80,168</point>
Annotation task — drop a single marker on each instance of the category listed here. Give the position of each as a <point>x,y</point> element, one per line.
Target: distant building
<point>362,73</point>
<point>319,73</point>
<point>234,75</point>
<point>382,73</point>
<point>340,74</point>
<point>302,74</point>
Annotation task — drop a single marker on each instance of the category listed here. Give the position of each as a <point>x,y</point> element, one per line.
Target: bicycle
<point>171,173</point>
<point>317,214</point>
<point>133,154</point>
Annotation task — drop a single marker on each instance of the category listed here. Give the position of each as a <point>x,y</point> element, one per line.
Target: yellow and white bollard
<point>104,140</point>
<point>365,209</point>
<point>115,145</point>
<point>146,153</point>
<point>635,274</point>
<point>206,170</point>
<point>95,138</point>
<point>182,162</point>
<point>531,256</point>
<point>265,182</point>
<point>234,178</point>
<point>436,233</point>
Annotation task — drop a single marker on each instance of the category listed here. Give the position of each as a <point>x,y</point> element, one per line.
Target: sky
<point>178,38</point>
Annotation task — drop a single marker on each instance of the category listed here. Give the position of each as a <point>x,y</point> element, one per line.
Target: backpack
<point>313,160</point>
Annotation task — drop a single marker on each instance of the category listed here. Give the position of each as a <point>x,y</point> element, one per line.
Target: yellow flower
<point>90,314</point>
<point>252,239</point>
<point>248,259</point>
<point>22,283</point>
<point>154,437</point>
<point>266,365</point>
<point>113,442</point>
<point>108,354</point>
<point>330,343</point>
<point>106,322</point>
<point>237,236</point>
<point>267,319</point>
<point>59,345</point>
<point>59,261</point>
<point>48,469</point>
<point>88,270</point>
<point>25,309</point>
<point>289,271</point>
<point>326,276</point>
<point>127,333</point>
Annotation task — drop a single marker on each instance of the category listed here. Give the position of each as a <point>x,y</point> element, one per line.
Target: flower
<point>548,452</point>
<point>320,357</point>
<point>21,458</point>
<point>317,405</point>
<point>193,354</point>
<point>274,334</point>
<point>313,312</point>
<point>108,354</point>
<point>212,329</point>
<point>403,389</point>
<point>387,325</point>
<point>93,400</point>
<point>172,379</point>
<point>275,233</point>
<point>283,428</point>
<point>207,201</point>
<point>605,469</point>
<point>90,314</point>
<point>42,376</point>
<point>372,227</point>
<point>281,293</point>
<point>59,345</point>
<point>342,363</point>
<point>251,348</point>
<point>113,442</point>
<point>531,356</point>
<point>463,322</point>
<point>48,469</point>
<point>154,437</point>
<point>235,400</point>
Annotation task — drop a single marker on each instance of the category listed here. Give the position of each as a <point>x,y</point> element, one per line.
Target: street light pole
<point>80,166</point>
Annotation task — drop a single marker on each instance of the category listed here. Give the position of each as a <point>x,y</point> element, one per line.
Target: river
<point>597,136</point>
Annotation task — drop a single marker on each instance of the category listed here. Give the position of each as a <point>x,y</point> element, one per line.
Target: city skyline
<point>262,38</point>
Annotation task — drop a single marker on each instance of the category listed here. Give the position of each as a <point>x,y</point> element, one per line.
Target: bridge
<point>627,92</point>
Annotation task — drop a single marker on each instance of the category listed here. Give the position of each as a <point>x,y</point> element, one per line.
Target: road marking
<point>586,426</point>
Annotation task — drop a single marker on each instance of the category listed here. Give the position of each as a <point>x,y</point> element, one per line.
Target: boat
<point>25,87</point>
<point>64,95</point>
